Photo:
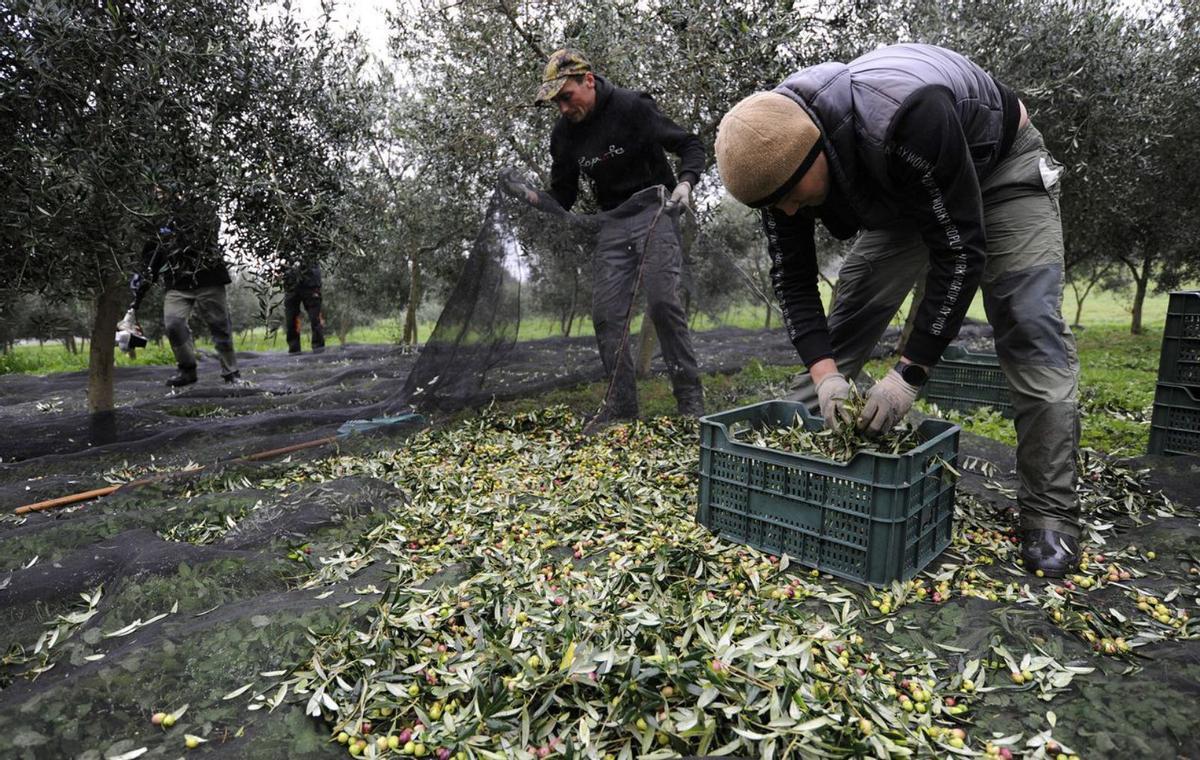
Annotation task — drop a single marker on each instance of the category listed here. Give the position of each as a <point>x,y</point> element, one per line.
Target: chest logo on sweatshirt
<point>587,163</point>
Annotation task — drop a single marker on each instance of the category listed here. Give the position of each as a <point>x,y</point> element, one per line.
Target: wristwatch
<point>913,374</point>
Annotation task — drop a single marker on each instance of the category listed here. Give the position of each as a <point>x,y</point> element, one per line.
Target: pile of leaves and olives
<point>535,592</point>
<point>839,444</point>
<point>586,614</point>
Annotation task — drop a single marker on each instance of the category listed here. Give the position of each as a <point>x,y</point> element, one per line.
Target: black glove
<point>517,186</point>
<point>138,286</point>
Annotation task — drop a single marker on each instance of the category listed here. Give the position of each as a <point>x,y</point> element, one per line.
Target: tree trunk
<point>646,353</point>
<point>414,298</point>
<point>833,289</point>
<point>911,320</point>
<point>1080,298</point>
<point>1141,279</point>
<point>767,326</point>
<point>100,357</point>
<point>574,302</point>
<point>1139,300</point>
<point>1082,295</point>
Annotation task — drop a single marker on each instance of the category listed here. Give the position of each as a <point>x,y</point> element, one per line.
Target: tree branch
<point>528,160</point>
<point>529,39</point>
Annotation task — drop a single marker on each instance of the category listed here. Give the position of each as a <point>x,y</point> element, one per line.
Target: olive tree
<point>470,70</point>
<point>1110,87</point>
<point>102,101</point>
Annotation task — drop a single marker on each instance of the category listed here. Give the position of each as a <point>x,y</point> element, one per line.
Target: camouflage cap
<point>562,64</point>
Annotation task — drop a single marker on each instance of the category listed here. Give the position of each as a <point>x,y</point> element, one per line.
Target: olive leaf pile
<point>838,445</point>
<point>548,594</point>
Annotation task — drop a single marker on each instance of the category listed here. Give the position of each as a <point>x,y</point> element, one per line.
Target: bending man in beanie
<point>616,137</point>
<point>936,162</point>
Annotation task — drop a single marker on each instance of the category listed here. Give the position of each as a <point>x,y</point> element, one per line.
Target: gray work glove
<point>887,403</point>
<point>681,197</point>
<point>832,393</point>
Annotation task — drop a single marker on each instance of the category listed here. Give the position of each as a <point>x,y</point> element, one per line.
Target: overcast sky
<point>367,15</point>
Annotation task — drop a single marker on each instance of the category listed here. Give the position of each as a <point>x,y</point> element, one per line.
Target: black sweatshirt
<point>185,251</point>
<point>932,184</point>
<point>620,147</point>
<point>301,277</point>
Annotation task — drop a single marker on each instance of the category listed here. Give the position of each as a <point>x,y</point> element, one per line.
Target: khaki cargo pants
<point>1022,292</point>
<point>210,302</point>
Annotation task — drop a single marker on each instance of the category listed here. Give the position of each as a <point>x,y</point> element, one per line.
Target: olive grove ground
<point>500,585</point>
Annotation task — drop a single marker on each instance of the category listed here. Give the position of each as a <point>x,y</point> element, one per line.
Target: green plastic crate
<point>875,519</point>
<point>966,381</point>
<point>1175,424</point>
<point>1179,362</point>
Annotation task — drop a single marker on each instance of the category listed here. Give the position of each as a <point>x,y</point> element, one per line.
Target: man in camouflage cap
<point>616,137</point>
<point>563,65</point>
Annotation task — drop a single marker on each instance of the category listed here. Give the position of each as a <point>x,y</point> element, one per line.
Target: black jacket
<point>910,131</point>
<point>620,147</point>
<point>303,278</point>
<point>184,249</point>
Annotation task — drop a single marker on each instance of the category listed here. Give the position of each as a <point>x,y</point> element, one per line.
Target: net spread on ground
<point>498,584</point>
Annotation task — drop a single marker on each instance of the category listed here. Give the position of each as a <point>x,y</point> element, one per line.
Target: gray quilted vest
<point>854,105</point>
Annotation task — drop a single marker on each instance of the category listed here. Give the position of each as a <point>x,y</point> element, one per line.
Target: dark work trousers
<point>1022,295</point>
<point>214,310</point>
<point>310,299</point>
<point>619,246</point>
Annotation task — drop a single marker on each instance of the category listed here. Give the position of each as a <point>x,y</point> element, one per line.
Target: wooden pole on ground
<point>76,498</point>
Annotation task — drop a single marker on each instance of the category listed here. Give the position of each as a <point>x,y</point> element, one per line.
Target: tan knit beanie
<point>765,143</point>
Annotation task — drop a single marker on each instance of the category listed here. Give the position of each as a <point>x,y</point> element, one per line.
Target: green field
<point>1117,383</point>
<point>1109,312</point>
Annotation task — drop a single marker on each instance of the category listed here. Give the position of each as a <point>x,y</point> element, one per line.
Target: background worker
<point>937,163</point>
<point>303,288</point>
<point>185,253</point>
<point>617,138</point>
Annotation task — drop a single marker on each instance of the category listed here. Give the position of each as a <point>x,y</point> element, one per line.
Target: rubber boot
<point>690,403</point>
<point>606,418</point>
<point>1054,553</point>
<point>234,378</point>
<point>185,376</point>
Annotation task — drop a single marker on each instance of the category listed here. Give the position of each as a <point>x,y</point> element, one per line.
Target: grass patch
<point>1118,372</point>
<point>1108,313</point>
<point>754,382</point>
<point>54,357</point>
<point>197,411</point>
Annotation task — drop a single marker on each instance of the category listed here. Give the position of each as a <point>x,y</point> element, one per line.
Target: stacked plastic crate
<point>966,381</point>
<point>1175,425</point>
